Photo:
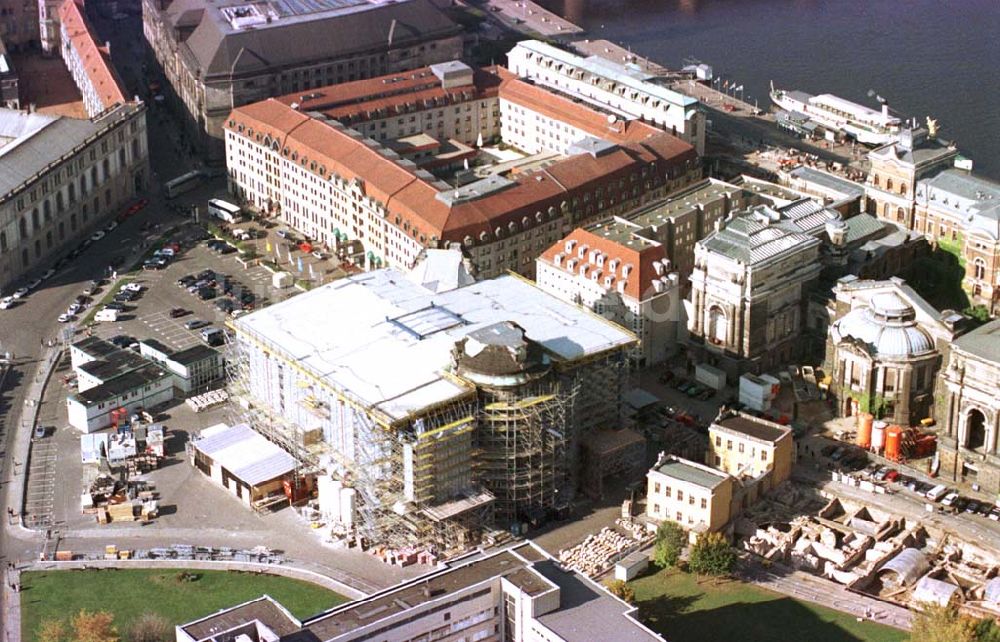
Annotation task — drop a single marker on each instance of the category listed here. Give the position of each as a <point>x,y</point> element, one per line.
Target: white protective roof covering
<point>441,270</point>
<point>933,591</point>
<point>386,340</point>
<point>245,453</point>
<point>991,592</point>
<point>910,564</point>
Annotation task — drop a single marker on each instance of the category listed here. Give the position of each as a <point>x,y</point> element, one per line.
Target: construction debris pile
<point>110,490</point>
<point>600,551</point>
<point>112,500</point>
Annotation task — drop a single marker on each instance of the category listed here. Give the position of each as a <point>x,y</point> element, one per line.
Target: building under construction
<point>431,415</point>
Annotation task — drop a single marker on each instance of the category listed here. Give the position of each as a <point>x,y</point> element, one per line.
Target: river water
<point>938,58</point>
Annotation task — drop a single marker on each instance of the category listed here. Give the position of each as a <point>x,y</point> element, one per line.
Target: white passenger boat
<point>864,124</point>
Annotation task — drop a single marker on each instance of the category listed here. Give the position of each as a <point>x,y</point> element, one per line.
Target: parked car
<point>132,287</point>
<point>122,340</point>
<point>111,226</point>
<point>995,513</point>
<point>319,255</point>
<point>892,475</point>
<point>206,274</point>
<point>972,507</point>
<point>7,302</point>
<point>40,432</point>
<point>65,317</point>
<point>226,249</point>
<point>49,273</point>
<point>283,234</point>
<point>207,293</point>
<point>194,324</point>
<point>949,499</point>
<point>225,305</point>
<point>115,305</point>
<point>165,252</point>
<point>97,236</point>
<point>881,473</point>
<point>187,280</point>
<point>176,313</point>
<point>73,308</point>
<point>960,504</point>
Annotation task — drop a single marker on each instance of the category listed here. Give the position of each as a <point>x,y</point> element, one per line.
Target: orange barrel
<point>865,429</point>
<point>878,436</point>
<point>893,442</point>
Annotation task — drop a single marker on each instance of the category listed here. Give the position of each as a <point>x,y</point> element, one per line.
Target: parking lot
<point>150,314</point>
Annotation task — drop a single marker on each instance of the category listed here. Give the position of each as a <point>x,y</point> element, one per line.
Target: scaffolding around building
<point>410,479</point>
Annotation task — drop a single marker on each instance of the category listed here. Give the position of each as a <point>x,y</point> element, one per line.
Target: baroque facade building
<point>969,410</point>
<point>748,293</point>
<point>885,348</point>
<point>629,282</point>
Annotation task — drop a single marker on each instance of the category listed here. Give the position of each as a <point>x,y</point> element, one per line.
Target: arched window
<point>72,193</point>
<point>899,214</point>
<point>106,166</point>
<point>72,220</point>
<point>3,241</point>
<point>24,257</point>
<point>83,184</point>
<point>875,180</point>
<point>34,218</point>
<point>980,269</point>
<point>885,210</point>
<point>888,184</point>
<point>23,227</point>
<point>902,189</point>
<point>93,176</point>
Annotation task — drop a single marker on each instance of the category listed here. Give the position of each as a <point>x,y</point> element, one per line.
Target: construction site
<point>872,552</point>
<point>427,425</point>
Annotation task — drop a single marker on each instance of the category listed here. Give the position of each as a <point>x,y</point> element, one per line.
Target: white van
<point>937,492</point>
<point>106,315</point>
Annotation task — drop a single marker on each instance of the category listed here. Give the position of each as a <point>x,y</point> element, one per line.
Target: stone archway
<point>975,429</point>
<point>718,325</point>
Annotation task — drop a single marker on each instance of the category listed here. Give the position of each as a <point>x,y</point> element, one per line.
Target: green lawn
<point>681,610</point>
<point>129,592</point>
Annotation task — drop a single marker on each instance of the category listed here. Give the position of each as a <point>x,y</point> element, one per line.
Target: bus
<point>184,183</point>
<point>224,210</point>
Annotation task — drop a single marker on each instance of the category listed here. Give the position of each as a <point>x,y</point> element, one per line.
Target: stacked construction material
<point>208,400</point>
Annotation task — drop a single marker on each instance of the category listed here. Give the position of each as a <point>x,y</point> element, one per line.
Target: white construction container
<point>710,376</point>
<point>758,392</point>
<point>630,567</point>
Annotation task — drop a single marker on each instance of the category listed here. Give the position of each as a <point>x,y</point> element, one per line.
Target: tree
<point>620,589</point>
<point>94,627</point>
<point>945,624</point>
<point>52,631</point>
<point>711,554</point>
<point>150,627</point>
<point>670,541</point>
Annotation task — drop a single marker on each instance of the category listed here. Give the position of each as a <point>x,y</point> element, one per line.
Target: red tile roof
<point>358,101</point>
<point>96,58</point>
<point>638,283</point>
<point>413,199</point>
